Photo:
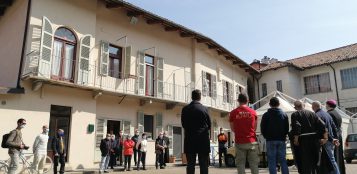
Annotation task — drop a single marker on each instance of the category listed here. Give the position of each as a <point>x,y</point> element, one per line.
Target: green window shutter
<point>44,67</point>
<point>214,86</point>
<point>100,131</point>
<point>141,73</point>
<point>127,61</point>
<point>204,84</point>
<point>160,77</point>
<point>141,121</point>
<point>84,55</point>
<point>104,58</point>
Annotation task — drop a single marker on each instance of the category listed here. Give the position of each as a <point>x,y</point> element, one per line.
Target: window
<point>115,61</point>
<point>149,125</point>
<point>239,90</point>
<point>227,92</point>
<point>349,78</point>
<point>317,83</point>
<point>352,110</point>
<point>209,85</point>
<point>64,51</point>
<point>150,68</point>
<point>264,89</point>
<point>279,85</point>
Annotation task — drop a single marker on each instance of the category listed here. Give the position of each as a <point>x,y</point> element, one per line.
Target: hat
<point>331,102</point>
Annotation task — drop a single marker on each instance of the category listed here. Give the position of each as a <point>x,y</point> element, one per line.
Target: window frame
<point>111,62</point>
<point>351,76</point>
<point>319,82</point>
<point>153,66</point>
<point>279,85</point>
<point>264,89</point>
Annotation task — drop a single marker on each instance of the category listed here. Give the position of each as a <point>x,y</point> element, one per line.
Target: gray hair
<point>316,104</point>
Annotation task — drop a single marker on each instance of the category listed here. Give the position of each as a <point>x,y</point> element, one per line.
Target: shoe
<point>129,169</point>
<point>144,168</point>
<point>162,167</point>
<point>106,171</point>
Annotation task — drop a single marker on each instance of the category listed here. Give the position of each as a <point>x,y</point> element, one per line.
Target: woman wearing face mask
<point>40,149</point>
<point>142,148</point>
<point>128,152</point>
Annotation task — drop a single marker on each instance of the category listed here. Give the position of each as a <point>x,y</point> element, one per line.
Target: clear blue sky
<point>251,29</point>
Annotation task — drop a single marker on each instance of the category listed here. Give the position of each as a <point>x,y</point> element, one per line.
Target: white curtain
<point>56,61</point>
<point>68,62</point>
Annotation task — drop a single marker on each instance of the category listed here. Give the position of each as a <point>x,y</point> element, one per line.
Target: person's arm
<point>256,121</point>
<point>54,148</point>
<point>35,144</point>
<point>295,128</point>
<point>10,141</point>
<point>263,125</point>
<point>286,124</point>
<point>183,117</point>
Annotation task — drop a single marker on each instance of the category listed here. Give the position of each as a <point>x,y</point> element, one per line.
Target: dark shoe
<point>144,168</point>
<point>106,171</point>
<point>162,167</point>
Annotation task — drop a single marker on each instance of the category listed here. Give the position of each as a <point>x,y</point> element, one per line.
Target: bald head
<point>299,105</point>
<point>316,105</point>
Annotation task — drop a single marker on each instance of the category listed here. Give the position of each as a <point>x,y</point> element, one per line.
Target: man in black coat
<point>59,151</point>
<point>197,124</point>
<point>106,149</point>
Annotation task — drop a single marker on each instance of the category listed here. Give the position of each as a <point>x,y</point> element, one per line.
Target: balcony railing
<point>114,82</point>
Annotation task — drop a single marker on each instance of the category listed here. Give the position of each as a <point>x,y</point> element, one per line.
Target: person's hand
<point>56,154</point>
<point>296,141</point>
<point>323,141</point>
<point>336,142</point>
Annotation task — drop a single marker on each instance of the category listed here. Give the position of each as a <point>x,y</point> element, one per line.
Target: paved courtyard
<point>351,169</point>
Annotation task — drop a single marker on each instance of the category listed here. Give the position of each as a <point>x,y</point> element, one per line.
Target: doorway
<point>113,127</point>
<point>60,118</point>
<point>177,141</point>
<point>149,126</point>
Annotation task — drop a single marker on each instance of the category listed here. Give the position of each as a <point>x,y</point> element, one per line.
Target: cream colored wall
<point>12,28</point>
<point>270,78</point>
<point>37,112</point>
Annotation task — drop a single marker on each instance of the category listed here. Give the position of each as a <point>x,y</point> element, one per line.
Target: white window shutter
<point>170,133</point>
<point>204,84</point>
<point>127,61</point>
<point>141,73</point>
<point>141,121</point>
<point>214,86</point>
<point>160,77</point>
<point>224,86</point>
<point>44,67</point>
<point>84,55</point>
<point>104,58</point>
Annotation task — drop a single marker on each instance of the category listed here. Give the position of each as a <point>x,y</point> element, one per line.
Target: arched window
<point>64,55</point>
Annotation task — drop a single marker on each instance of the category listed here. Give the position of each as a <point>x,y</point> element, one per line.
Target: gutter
<point>334,74</point>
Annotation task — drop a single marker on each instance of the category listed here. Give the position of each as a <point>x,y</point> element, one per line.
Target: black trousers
<point>135,156</point>
<point>112,161</point>
<point>127,161</point>
<point>191,162</point>
<point>59,159</point>
<point>142,158</point>
<point>222,151</point>
<point>167,156</point>
<point>119,155</point>
<point>159,160</point>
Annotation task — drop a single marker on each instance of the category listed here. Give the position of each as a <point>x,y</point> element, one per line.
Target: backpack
<point>4,140</point>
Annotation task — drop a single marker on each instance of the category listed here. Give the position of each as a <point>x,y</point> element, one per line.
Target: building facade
<point>330,74</point>
<point>100,66</point>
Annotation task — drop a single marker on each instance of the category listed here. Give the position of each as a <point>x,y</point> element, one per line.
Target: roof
<point>344,53</point>
<point>171,26</point>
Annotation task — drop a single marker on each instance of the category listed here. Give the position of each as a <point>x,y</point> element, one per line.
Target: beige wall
<point>12,28</point>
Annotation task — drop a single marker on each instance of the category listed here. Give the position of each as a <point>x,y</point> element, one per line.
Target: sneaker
<point>106,171</point>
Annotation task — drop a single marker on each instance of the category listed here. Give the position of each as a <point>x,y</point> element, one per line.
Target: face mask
<point>144,137</point>
<point>161,136</point>
<point>22,126</point>
<point>61,134</point>
<point>136,133</point>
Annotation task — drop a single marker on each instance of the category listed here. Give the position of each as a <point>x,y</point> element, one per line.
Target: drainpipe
<point>19,89</point>
<point>334,75</point>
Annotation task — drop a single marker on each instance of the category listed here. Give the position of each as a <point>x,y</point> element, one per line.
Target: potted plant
<point>172,159</point>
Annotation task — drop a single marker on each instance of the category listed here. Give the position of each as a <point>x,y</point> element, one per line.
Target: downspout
<point>19,89</point>
<point>334,75</point>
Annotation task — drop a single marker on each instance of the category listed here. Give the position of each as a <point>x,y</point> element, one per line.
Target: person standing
<point>167,150</point>
<point>197,124</point>
<point>243,122</point>
<point>135,138</point>
<point>105,149</point>
<point>222,147</point>
<point>328,143</point>
<point>59,150</point>
<point>160,151</point>
<point>337,119</point>
<point>275,127</point>
<point>119,148</point>
<point>15,145</point>
<point>40,150</point>
<point>113,145</point>
<point>142,148</point>
<point>128,145</point>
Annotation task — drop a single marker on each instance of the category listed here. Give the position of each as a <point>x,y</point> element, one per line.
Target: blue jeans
<point>329,149</point>
<point>104,163</point>
<point>276,150</point>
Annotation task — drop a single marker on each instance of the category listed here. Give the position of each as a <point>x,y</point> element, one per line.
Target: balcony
<point>68,75</point>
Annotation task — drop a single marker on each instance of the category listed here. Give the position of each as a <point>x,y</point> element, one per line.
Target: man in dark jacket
<point>337,119</point>
<point>135,138</point>
<point>59,150</point>
<point>106,150</point>
<point>275,127</point>
<point>167,148</point>
<point>160,151</point>
<point>222,147</point>
<point>197,124</point>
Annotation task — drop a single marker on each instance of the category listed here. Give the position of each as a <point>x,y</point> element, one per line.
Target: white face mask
<point>22,126</point>
<point>144,137</point>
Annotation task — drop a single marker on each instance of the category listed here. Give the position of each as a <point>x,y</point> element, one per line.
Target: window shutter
<point>84,55</point>
<point>160,77</point>
<point>141,121</point>
<point>204,84</point>
<point>141,73</point>
<point>214,86</point>
<point>104,58</point>
<point>100,131</point>
<point>126,127</point>
<point>158,121</point>
<point>170,133</point>
<point>44,67</point>
<point>230,90</point>
<point>224,86</point>
<point>127,61</point>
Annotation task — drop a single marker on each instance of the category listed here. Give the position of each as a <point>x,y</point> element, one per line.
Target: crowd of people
<point>315,136</point>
